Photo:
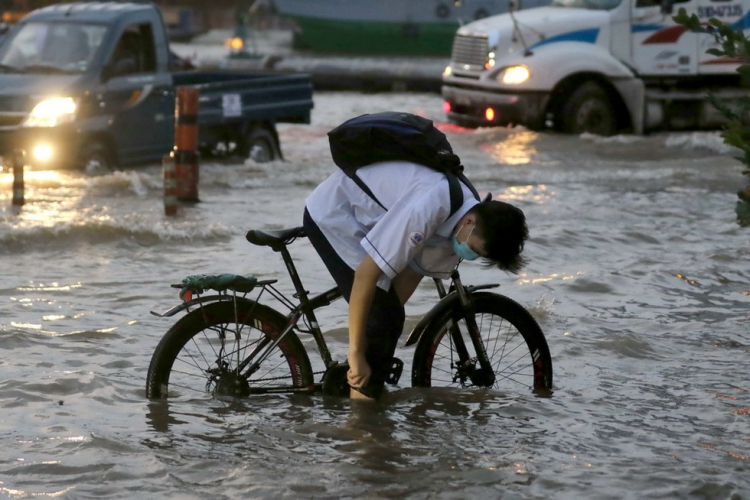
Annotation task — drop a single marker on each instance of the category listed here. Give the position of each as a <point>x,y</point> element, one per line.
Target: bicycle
<point>229,344</point>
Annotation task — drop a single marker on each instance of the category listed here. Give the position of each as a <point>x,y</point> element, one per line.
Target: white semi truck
<point>598,66</point>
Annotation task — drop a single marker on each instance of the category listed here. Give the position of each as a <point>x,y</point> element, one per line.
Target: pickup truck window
<point>587,4</point>
<point>39,47</point>
<point>134,52</point>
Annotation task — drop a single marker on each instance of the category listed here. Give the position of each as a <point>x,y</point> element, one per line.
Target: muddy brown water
<point>638,276</point>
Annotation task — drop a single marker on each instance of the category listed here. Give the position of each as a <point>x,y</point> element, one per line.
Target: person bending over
<point>377,257</point>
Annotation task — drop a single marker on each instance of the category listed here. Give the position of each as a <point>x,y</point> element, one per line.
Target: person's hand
<point>359,371</point>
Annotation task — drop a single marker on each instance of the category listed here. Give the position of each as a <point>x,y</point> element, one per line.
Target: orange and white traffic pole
<point>19,161</point>
<point>186,144</point>
<point>170,184</point>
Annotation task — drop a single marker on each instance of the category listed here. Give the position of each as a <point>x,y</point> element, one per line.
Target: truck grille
<point>470,49</point>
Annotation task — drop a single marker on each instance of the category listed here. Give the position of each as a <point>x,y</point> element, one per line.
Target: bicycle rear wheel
<point>514,342</point>
<point>209,351</point>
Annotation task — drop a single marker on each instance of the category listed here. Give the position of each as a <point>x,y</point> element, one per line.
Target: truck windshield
<point>587,4</point>
<point>39,47</point>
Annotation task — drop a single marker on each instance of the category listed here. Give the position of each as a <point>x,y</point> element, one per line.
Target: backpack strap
<point>454,190</point>
<point>359,182</point>
<point>457,195</point>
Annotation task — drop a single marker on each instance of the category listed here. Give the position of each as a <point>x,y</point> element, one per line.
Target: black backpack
<point>392,136</point>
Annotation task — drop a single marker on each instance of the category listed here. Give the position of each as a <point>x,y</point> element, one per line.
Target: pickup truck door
<point>659,46</point>
<point>138,97</point>
<point>735,14</point>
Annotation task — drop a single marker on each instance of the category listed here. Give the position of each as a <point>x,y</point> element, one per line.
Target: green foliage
<point>732,43</point>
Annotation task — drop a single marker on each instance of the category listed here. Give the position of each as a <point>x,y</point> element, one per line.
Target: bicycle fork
<point>485,375</point>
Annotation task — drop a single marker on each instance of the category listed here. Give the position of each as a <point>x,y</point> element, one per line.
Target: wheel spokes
<point>217,352</point>
<point>506,349</point>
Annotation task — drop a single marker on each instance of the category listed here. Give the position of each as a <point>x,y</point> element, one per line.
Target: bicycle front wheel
<point>514,342</point>
<point>215,348</point>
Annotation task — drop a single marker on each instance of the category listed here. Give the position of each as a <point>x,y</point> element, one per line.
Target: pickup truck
<point>598,66</point>
<point>92,85</point>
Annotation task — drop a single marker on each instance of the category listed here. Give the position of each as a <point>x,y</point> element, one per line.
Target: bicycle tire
<point>514,342</point>
<point>190,359</point>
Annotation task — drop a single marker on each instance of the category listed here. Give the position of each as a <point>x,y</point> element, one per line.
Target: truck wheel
<point>588,109</point>
<point>260,146</point>
<point>96,159</point>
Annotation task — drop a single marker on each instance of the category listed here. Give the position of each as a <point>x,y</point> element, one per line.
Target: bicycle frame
<point>458,298</point>
<point>305,308</point>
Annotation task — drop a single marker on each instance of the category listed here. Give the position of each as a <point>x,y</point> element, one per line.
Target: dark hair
<point>503,228</point>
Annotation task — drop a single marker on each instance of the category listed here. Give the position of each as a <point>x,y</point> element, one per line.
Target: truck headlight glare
<point>235,43</point>
<point>42,152</point>
<point>52,112</point>
<point>514,75</point>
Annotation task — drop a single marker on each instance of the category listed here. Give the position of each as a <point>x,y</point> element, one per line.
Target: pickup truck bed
<point>233,106</point>
<point>240,110</point>
<point>281,97</point>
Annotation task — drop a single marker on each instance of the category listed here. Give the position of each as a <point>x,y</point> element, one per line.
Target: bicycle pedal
<point>394,374</point>
<point>334,381</point>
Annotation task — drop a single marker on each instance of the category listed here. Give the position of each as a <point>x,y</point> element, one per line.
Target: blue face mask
<point>462,249</point>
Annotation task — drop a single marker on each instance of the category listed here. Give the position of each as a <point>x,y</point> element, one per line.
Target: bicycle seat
<point>276,238</point>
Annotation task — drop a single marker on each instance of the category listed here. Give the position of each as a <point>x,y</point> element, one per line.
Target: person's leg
<point>386,320</point>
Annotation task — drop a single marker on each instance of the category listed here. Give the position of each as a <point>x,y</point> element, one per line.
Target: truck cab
<point>600,66</point>
<point>70,72</point>
<point>93,85</point>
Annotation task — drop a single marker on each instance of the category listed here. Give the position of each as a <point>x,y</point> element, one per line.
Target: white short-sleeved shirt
<point>415,231</point>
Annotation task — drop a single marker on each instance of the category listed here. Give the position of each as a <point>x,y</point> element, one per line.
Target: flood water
<point>638,275</point>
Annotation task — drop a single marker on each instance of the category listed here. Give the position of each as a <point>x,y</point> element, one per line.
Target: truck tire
<point>260,146</point>
<point>95,158</point>
<point>588,109</point>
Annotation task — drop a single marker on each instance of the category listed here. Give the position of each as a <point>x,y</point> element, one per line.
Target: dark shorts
<point>386,320</point>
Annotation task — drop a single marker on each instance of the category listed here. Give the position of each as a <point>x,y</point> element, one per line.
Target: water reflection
<point>536,193</point>
<point>551,277</point>
<point>515,149</point>
<point>420,432</point>
<point>51,197</point>
<point>15,493</point>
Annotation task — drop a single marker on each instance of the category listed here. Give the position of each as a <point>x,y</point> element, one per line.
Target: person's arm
<point>405,283</point>
<point>363,290</point>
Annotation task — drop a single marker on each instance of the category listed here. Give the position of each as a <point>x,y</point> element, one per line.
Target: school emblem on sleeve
<point>415,239</point>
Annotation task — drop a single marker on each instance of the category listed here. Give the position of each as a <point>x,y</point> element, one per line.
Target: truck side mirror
<point>667,6</point>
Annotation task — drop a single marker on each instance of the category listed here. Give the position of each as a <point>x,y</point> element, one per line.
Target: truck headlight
<point>235,43</point>
<point>42,152</point>
<point>52,112</point>
<point>514,75</point>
